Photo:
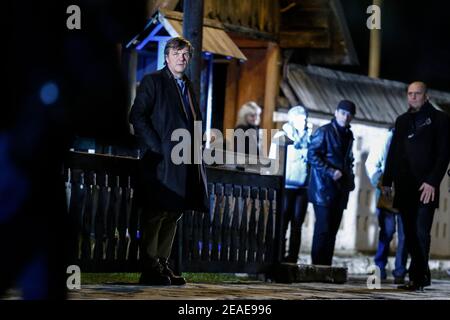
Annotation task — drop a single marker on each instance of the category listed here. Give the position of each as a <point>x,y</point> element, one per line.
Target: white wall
<point>440,237</point>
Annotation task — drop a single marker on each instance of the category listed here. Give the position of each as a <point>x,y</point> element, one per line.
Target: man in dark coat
<point>416,163</point>
<point>331,179</point>
<point>164,103</point>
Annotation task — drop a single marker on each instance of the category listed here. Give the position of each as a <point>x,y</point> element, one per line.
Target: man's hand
<point>427,193</point>
<point>337,175</point>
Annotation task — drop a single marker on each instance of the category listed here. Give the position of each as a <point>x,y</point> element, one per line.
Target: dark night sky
<point>415,40</point>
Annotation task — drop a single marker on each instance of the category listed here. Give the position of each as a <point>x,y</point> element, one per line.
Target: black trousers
<point>417,223</point>
<point>295,206</point>
<point>326,227</point>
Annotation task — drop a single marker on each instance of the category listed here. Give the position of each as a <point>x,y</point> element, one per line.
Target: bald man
<point>416,163</point>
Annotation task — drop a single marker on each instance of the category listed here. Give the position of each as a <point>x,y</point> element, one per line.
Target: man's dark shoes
<point>411,286</point>
<point>154,277</point>
<point>174,279</point>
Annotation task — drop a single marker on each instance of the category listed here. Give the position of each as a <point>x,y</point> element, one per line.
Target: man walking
<point>417,161</point>
<point>331,179</point>
<point>165,102</point>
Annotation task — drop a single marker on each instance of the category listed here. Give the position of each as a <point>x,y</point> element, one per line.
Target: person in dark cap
<point>331,179</point>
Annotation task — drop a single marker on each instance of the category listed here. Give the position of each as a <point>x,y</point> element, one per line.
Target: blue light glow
<point>49,93</point>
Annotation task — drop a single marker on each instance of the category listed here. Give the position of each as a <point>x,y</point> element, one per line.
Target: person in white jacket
<point>389,219</point>
<point>295,136</point>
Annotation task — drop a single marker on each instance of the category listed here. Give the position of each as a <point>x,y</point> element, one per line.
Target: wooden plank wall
<point>260,15</point>
<point>255,80</point>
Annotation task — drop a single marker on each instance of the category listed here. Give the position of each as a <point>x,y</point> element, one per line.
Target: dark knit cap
<point>347,105</point>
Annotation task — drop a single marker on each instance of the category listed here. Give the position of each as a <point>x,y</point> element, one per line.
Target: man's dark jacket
<point>158,111</point>
<point>325,155</point>
<point>419,153</point>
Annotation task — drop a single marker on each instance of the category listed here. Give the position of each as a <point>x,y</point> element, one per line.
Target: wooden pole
<point>271,91</point>
<point>375,48</point>
<point>193,31</point>
<point>231,97</point>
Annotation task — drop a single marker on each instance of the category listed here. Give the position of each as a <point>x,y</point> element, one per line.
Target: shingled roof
<point>378,101</point>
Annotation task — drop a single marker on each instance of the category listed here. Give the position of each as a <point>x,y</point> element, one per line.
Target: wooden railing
<point>240,233</point>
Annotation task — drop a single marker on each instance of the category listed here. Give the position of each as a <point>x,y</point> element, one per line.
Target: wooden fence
<point>240,233</point>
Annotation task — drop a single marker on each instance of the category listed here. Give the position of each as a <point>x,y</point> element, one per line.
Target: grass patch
<point>216,278</point>
<point>102,278</point>
<point>133,278</point>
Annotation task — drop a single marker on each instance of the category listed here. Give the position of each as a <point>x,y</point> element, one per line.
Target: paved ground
<point>355,288</point>
<point>360,263</point>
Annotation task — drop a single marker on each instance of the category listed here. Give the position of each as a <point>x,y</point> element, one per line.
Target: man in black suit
<point>165,102</point>
<point>416,163</point>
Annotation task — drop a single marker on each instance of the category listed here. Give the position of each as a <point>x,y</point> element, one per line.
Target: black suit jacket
<point>419,153</point>
<point>156,113</point>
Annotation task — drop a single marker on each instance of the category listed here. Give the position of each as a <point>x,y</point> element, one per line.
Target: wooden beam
<point>375,49</point>
<point>250,32</point>
<point>231,95</point>
<point>243,42</point>
<point>193,31</point>
<point>314,38</point>
<point>272,88</point>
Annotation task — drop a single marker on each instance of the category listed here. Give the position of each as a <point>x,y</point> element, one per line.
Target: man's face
<point>177,61</point>
<point>343,117</point>
<point>416,95</point>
